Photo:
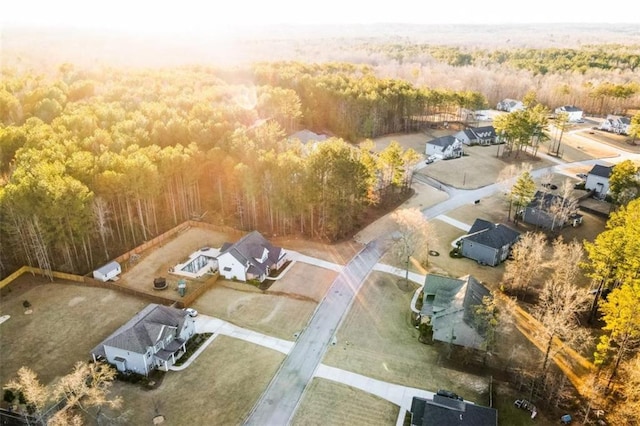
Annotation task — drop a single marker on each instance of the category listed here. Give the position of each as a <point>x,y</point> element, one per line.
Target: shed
<point>110,271</point>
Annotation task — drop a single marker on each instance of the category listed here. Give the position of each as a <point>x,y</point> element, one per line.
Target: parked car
<point>449,394</point>
<point>191,312</point>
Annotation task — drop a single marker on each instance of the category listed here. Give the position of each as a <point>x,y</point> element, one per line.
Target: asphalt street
<point>278,403</point>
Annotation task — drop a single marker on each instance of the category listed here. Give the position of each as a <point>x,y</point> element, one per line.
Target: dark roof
<point>600,170</point>
<point>248,250</point>
<point>491,235</point>
<point>443,411</point>
<point>443,141</point>
<point>543,200</point>
<point>468,133</point>
<point>147,327</point>
<point>484,132</point>
<point>473,297</point>
<point>439,291</point>
<point>306,136</point>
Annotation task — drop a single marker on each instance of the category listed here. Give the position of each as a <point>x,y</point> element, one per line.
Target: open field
<point>67,322</point>
<point>219,388</point>
<point>329,403</point>
<point>281,311</point>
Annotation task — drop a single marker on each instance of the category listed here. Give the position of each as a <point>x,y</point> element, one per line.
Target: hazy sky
<point>198,16</point>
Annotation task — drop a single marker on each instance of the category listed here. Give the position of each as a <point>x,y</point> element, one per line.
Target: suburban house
<point>445,411</point>
<point>153,339</point>
<point>544,211</point>
<point>616,124</point>
<point>250,258</point>
<point>510,105</point>
<point>448,306</point>
<point>107,272</point>
<point>573,112</point>
<point>598,180</point>
<point>445,147</point>
<point>485,135</point>
<point>488,243</point>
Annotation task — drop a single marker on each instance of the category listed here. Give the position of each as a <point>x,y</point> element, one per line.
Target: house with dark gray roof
<point>485,135</point>
<point>250,258</point>
<point>598,180</point>
<point>616,124</point>
<point>444,411</point>
<point>448,305</point>
<point>551,211</point>
<point>445,147</point>
<point>153,339</point>
<point>488,243</point>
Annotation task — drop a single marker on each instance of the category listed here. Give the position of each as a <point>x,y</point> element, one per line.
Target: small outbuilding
<point>108,272</point>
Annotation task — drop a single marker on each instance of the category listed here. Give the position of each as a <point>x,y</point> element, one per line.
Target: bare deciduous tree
<point>413,237</point>
<point>526,263</point>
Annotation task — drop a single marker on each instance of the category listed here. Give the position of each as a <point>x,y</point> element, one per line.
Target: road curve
<point>279,401</point>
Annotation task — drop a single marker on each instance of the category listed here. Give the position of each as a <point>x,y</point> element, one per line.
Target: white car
<point>191,312</point>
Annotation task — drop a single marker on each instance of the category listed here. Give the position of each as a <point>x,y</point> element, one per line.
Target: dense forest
<point>96,162</point>
<point>97,158</point>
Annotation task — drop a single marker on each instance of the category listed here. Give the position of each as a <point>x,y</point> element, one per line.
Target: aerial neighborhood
<point>268,233</point>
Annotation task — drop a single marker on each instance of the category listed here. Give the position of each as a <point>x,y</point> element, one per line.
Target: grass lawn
<point>376,339</point>
<point>219,388</point>
<point>66,323</point>
<point>329,403</point>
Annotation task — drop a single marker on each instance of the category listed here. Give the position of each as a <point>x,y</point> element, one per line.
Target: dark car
<point>449,394</point>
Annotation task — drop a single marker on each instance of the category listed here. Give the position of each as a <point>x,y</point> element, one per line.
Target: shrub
<point>26,304</point>
<point>9,396</point>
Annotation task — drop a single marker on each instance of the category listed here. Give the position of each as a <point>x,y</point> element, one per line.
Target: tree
<point>623,182</point>
<point>521,193</point>
<point>634,129</point>
<point>525,266</point>
<point>561,124</point>
<point>626,406</point>
<point>87,386</point>
<point>560,301</point>
<point>620,312</point>
<point>413,237</point>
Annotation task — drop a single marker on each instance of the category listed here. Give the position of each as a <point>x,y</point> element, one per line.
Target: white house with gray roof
<point>510,105</point>
<point>598,180</point>
<point>573,112</point>
<point>449,307</point>
<point>250,258</point>
<point>485,135</point>
<point>488,243</point>
<point>445,147</point>
<point>153,339</point>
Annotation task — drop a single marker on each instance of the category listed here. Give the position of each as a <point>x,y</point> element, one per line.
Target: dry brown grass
<point>377,339</point>
<point>305,281</point>
<point>330,403</point>
<point>67,322</point>
<point>219,388</point>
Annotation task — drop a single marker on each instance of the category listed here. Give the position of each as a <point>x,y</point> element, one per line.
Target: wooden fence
<point>87,280</point>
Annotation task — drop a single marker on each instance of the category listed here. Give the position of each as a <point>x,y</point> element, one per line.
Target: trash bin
<point>182,287</point>
<point>566,419</point>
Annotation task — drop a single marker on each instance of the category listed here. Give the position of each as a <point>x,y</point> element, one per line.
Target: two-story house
<point>153,339</point>
<point>250,258</point>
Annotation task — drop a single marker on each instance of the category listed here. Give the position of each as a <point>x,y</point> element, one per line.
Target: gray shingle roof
<point>443,411</point>
<point>145,329</point>
<point>249,249</point>
<point>443,141</point>
<point>600,170</point>
<point>491,235</point>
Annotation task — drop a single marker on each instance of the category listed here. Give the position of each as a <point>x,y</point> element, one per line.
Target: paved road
<point>278,403</point>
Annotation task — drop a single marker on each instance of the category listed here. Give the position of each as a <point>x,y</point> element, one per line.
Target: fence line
<point>88,280</point>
